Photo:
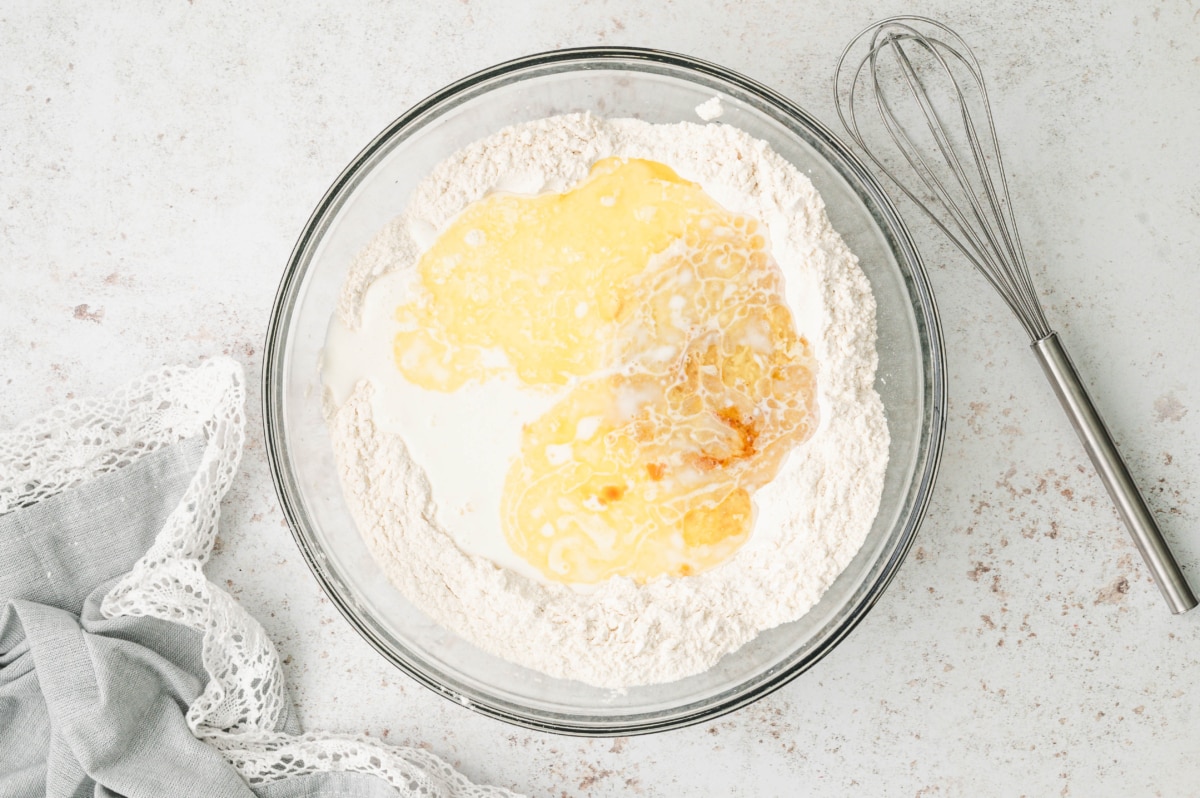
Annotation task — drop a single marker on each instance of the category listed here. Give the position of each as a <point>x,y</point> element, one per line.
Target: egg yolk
<point>661,318</point>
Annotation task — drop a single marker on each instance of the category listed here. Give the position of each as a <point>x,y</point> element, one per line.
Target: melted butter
<point>533,284</point>
<point>663,317</point>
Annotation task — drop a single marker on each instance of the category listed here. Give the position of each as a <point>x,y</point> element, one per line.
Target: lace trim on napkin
<point>241,705</point>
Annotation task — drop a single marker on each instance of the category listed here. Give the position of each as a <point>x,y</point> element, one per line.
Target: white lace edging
<point>241,705</point>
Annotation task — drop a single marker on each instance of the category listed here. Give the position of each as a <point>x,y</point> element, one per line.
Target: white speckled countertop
<point>158,161</point>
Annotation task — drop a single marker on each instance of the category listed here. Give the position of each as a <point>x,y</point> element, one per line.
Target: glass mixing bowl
<point>612,82</point>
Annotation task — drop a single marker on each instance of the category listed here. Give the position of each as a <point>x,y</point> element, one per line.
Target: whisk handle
<point>1121,488</point>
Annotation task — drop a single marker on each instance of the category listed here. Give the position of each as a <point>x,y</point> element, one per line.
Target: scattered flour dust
<point>811,520</point>
<point>710,109</point>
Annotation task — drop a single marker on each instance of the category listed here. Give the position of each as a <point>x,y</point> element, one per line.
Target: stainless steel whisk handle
<point>1111,467</point>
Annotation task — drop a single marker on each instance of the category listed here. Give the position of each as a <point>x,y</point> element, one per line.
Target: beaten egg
<point>658,320</point>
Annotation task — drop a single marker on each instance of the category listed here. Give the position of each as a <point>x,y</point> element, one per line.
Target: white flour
<point>811,519</point>
<point>710,109</point>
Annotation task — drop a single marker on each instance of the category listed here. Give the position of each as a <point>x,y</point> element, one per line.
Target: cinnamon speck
<point>1114,593</point>
<point>85,313</point>
<point>1168,408</point>
<point>979,570</point>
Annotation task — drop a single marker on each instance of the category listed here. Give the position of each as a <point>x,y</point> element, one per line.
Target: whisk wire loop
<point>967,203</point>
<point>964,235</point>
<point>964,190</point>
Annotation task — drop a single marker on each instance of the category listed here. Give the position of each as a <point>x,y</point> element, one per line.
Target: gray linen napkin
<point>92,706</point>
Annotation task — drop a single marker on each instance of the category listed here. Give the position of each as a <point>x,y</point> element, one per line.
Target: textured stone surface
<point>158,161</point>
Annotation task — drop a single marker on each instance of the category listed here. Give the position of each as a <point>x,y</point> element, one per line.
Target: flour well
<point>403,452</point>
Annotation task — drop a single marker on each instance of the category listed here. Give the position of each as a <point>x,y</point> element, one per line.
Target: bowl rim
<point>891,225</point>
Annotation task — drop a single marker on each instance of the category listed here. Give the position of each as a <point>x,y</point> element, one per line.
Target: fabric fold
<point>124,672</point>
<point>116,711</point>
<point>88,702</point>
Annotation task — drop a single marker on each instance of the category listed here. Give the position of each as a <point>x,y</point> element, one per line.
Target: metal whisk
<point>927,91</point>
